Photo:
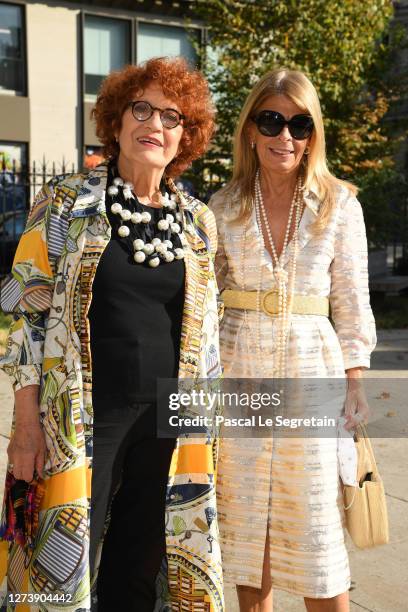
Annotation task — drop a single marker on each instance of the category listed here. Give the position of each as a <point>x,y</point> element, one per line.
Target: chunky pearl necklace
<point>163,249</point>
<point>285,292</point>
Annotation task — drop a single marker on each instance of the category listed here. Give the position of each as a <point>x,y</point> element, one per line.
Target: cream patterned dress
<point>291,485</point>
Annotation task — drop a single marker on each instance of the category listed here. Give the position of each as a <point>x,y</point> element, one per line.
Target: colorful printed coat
<point>49,291</point>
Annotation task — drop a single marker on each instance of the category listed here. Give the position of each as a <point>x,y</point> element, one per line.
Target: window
<point>106,48</point>
<point>155,40</point>
<point>12,71</point>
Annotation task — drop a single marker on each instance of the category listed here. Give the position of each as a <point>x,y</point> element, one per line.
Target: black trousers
<point>126,449</point>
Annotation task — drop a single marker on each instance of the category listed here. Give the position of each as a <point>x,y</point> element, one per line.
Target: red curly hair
<point>181,84</point>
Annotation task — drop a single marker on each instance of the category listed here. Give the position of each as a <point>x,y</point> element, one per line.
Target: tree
<point>347,49</point>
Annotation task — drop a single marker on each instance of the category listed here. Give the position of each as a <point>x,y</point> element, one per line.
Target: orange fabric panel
<point>3,559</point>
<point>64,488</point>
<point>194,459</point>
<point>33,248</point>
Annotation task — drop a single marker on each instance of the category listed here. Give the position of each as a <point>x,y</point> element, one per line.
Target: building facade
<point>53,57</point>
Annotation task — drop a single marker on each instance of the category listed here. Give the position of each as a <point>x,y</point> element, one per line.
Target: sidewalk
<point>379,575</point>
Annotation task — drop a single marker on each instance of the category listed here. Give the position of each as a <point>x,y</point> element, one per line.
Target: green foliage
<point>347,49</point>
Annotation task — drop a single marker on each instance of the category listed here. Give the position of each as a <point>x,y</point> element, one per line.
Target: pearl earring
<point>307,151</point>
<point>252,145</point>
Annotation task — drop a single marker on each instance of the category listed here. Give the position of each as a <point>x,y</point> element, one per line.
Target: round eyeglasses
<point>142,111</point>
<point>271,123</point>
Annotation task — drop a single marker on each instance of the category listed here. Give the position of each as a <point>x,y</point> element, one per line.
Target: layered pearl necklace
<point>285,288</point>
<point>151,243</point>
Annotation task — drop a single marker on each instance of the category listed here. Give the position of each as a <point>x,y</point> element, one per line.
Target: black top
<point>135,322</point>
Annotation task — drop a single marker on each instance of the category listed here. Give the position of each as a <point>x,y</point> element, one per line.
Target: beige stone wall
<point>53,81</point>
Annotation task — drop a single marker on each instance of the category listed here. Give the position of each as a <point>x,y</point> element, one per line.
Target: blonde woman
<point>287,226</point>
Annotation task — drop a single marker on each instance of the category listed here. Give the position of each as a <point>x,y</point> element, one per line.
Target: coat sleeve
<point>27,293</point>
<point>349,295</point>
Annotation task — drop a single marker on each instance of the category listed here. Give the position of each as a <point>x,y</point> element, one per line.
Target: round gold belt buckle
<point>269,303</point>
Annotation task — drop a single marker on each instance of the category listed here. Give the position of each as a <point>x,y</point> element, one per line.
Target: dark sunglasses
<point>271,123</point>
<point>142,111</point>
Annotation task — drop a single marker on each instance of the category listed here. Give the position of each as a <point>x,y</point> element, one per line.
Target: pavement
<point>379,575</point>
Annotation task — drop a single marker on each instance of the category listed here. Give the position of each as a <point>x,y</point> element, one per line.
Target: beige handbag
<point>365,505</point>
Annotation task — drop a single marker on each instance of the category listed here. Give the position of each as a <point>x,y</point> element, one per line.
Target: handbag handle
<point>352,499</point>
<point>361,434</point>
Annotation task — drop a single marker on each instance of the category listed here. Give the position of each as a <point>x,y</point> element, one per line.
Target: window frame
<point>134,20</point>
<point>171,23</point>
<point>113,17</point>
<point>23,12</point>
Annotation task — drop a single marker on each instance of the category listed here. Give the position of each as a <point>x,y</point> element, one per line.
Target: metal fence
<point>18,187</point>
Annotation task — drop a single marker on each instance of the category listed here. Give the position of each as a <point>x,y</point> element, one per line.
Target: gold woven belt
<point>302,304</point>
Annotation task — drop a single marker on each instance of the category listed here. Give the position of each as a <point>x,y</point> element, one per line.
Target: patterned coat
<point>50,291</point>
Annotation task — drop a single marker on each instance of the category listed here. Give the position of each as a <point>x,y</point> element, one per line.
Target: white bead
<point>116,208</point>
<point>179,216</point>
<point>113,190</point>
<point>139,257</point>
<point>156,241</point>
<point>146,217</point>
<point>173,197</point>
<point>138,244</point>
<point>163,224</point>
<point>123,231</point>
<point>169,243</point>
<point>179,253</point>
<point>154,262</point>
<point>161,248</point>
<point>164,199</point>
<point>136,217</point>
<point>127,194</point>
<point>125,214</point>
<point>128,185</point>
<point>118,181</point>
<point>173,205</point>
<point>170,218</point>
<point>169,256</point>
<point>148,248</point>
<point>175,228</point>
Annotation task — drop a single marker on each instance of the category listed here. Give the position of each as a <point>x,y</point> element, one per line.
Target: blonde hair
<point>297,87</point>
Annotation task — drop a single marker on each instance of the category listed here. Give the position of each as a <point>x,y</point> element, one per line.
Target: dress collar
<point>312,200</point>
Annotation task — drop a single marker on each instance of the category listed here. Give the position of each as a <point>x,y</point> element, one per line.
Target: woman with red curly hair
<point>113,289</point>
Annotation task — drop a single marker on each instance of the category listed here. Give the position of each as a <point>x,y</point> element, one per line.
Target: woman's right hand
<point>27,451</point>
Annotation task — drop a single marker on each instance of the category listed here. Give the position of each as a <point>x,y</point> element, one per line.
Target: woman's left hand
<point>356,409</point>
